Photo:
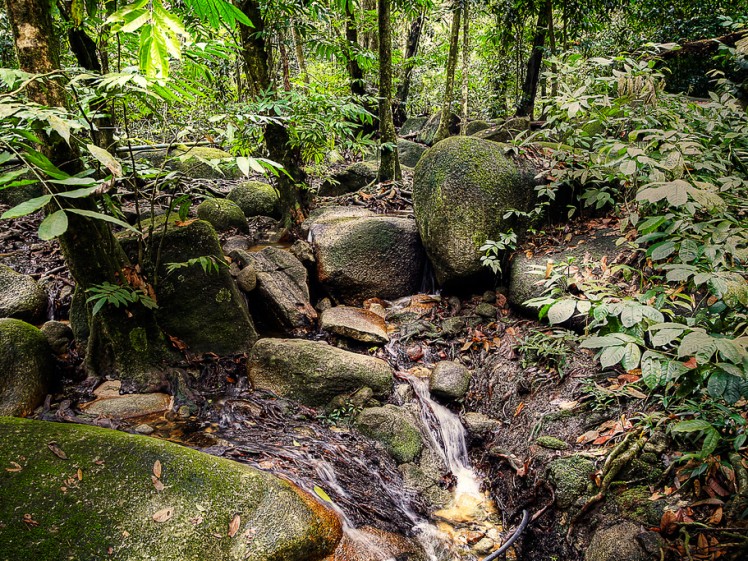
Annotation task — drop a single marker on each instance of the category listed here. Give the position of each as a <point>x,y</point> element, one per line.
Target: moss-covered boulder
<point>616,543</point>
<point>450,380</point>
<point>203,309</point>
<point>280,297</point>
<point>360,257</point>
<point>413,125</point>
<point>462,188</point>
<point>572,479</point>
<point>81,492</point>
<point>59,336</point>
<point>428,131</point>
<point>203,162</point>
<point>350,179</point>
<point>21,297</point>
<point>314,372</point>
<point>26,368</point>
<point>409,152</point>
<point>476,126</point>
<point>256,198</point>
<point>223,214</point>
<point>394,428</point>
<point>504,132</point>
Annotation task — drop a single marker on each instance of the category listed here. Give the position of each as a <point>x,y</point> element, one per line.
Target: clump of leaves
<point>117,295</point>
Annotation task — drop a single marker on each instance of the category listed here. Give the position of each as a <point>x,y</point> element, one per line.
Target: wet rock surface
<point>21,297</point>
<point>355,323</point>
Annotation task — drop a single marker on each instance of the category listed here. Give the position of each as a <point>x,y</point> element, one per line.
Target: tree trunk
<point>370,36</point>
<point>291,189</point>
<point>351,36</point>
<point>299,47</point>
<point>443,131</point>
<point>389,164</point>
<point>552,43</point>
<point>284,61</point>
<point>411,49</point>
<point>125,342</point>
<point>526,103</point>
<point>465,66</point>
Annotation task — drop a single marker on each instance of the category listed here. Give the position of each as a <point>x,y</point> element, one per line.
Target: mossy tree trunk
<point>389,164</point>
<point>277,141</point>
<point>443,131</point>
<point>299,48</point>
<point>124,342</point>
<point>355,73</point>
<point>526,104</point>
<point>465,65</point>
<point>411,49</point>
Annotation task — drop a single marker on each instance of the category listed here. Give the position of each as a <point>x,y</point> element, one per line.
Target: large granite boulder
<point>428,131</point>
<point>26,368</point>
<point>366,256</point>
<point>222,214</point>
<point>82,492</point>
<point>413,125</point>
<point>198,162</point>
<point>281,294</point>
<point>350,179</point>
<point>256,198</point>
<point>21,297</point>
<point>409,152</point>
<point>394,427</point>
<point>313,372</point>
<point>202,308</point>
<point>462,189</point>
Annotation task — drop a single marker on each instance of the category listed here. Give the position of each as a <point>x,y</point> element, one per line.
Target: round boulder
<point>21,297</point>
<point>59,335</point>
<point>350,179</point>
<point>449,380</point>
<point>616,543</point>
<point>26,367</point>
<point>409,152</point>
<point>462,188</point>
<point>394,428</point>
<point>256,198</point>
<point>222,214</point>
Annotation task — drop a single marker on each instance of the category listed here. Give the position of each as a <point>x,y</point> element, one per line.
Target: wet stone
<point>128,406</point>
<point>449,380</point>
<point>355,323</point>
<point>486,310</point>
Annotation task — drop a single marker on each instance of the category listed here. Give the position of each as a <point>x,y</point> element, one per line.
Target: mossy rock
<point>366,256</point>
<point>571,478</point>
<point>26,368</point>
<point>476,126</point>
<point>21,297</point>
<point>409,152</point>
<point>462,188</point>
<point>256,198</point>
<point>350,179</point>
<point>506,131</point>
<point>616,543</point>
<point>13,196</point>
<point>223,214</point>
<point>313,372</point>
<point>394,428</point>
<point>428,131</point>
<point>449,380</point>
<point>205,310</point>
<point>413,125</point>
<point>551,443</point>
<point>100,502</point>
<point>635,504</point>
<point>200,162</point>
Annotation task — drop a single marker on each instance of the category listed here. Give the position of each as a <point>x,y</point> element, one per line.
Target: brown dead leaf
<point>178,343</point>
<point>57,451</point>
<point>184,222</point>
<point>636,393</point>
<point>197,520</point>
<point>16,467</point>
<point>716,517</point>
<point>466,346</point>
<point>691,363</point>
<point>234,525</point>
<point>548,269</point>
<point>163,515</point>
<point>668,523</point>
<point>656,496</point>
<point>157,483</point>
<point>519,408</point>
<point>80,474</point>
<point>29,520</point>
<point>157,469</point>
<point>501,300</point>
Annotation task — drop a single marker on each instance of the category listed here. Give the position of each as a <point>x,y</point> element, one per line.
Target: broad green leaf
<point>631,314</point>
<point>694,425</point>
<point>27,207</point>
<point>111,163</point>
<point>243,165</point>
<point>78,193</point>
<point>60,127</point>
<point>561,311</point>
<point>74,181</point>
<point>612,356</point>
<point>689,250</point>
<point>631,356</point>
<point>698,344</point>
<point>320,492</point>
<point>654,372</point>
<point>135,20</point>
<point>664,337</point>
<point>711,441</point>
<point>53,225</point>
<point>600,342</point>
<point>730,351</point>
<point>661,250</point>
<point>104,217</point>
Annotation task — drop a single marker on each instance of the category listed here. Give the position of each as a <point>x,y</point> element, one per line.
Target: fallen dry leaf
<point>519,409</point>
<point>197,520</point>
<point>157,469</point>
<point>57,451</point>
<point>157,483</point>
<point>716,518</point>
<point>163,515</point>
<point>29,521</point>
<point>16,467</point>
<point>234,525</point>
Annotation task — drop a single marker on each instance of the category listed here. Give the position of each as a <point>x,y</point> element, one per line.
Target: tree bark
<point>291,189</point>
<point>389,164</point>
<point>411,49</point>
<point>358,86</point>
<point>299,47</point>
<point>125,342</point>
<point>443,131</point>
<point>526,104</point>
<point>465,66</point>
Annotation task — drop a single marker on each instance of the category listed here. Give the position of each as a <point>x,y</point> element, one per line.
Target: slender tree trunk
<point>446,117</point>
<point>370,35</point>
<point>411,49</point>
<point>291,189</point>
<point>552,43</point>
<point>526,103</point>
<point>284,61</point>
<point>124,342</point>
<point>389,165</point>
<point>465,65</point>
<point>299,48</point>
<point>351,35</point>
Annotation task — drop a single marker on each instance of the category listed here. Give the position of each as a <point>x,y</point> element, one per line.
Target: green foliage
<point>548,350</point>
<point>208,263</point>
<point>495,251</point>
<point>117,295</point>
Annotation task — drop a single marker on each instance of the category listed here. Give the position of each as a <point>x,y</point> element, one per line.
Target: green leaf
<point>694,425</point>
<point>111,163</point>
<point>27,207</point>
<point>698,344</point>
<point>104,217</point>
<point>320,492</point>
<point>612,356</point>
<point>74,181</point>
<point>561,311</point>
<point>600,342</point>
<point>53,225</point>
<point>661,250</point>
<point>654,372</point>
<point>631,314</point>
<point>60,127</point>
<point>631,356</point>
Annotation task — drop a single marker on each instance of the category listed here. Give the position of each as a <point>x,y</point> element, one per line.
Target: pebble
<point>484,546</point>
<point>144,429</point>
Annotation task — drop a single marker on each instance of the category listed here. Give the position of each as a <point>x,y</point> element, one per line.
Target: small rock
<point>59,335</point>
<point>234,243</point>
<point>616,543</point>
<point>144,429</point>
<point>354,177</point>
<point>404,393</point>
<point>394,428</point>
<point>483,546</point>
<point>486,310</point>
<point>551,443</point>
<point>323,305</point>
<point>449,380</point>
<point>128,406</point>
<point>256,198</point>
<point>247,279</point>
<point>184,412</point>
<point>223,214</point>
<point>303,251</point>
<point>571,477</point>
<point>355,323</point>
<point>21,297</point>
<point>478,424</point>
<point>489,296</point>
<point>452,327</point>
